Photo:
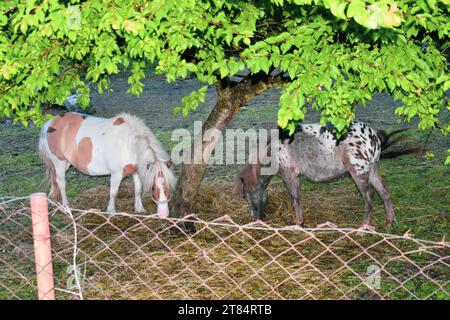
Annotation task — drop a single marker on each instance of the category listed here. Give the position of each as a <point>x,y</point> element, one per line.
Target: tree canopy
<point>335,53</point>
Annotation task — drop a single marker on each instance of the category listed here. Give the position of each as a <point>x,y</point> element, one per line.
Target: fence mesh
<point>128,256</point>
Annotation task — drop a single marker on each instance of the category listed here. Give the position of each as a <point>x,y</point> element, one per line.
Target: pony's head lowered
<point>252,186</point>
<point>161,184</point>
<point>245,180</point>
<point>154,168</point>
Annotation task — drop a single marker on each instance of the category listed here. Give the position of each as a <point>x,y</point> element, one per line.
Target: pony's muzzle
<point>162,207</point>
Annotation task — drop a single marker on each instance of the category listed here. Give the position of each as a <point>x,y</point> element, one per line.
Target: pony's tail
<point>391,138</point>
<point>403,152</point>
<point>50,172</point>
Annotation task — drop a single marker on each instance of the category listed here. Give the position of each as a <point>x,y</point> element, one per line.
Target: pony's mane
<point>152,149</point>
<point>158,167</point>
<point>138,127</point>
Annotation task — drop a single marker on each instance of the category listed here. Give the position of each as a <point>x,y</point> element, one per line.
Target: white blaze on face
<point>163,206</point>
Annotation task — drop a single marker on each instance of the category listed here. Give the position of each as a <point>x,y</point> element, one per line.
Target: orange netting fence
<point>95,255</point>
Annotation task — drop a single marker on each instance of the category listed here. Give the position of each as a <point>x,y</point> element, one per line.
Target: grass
<point>21,170</point>
<point>23,175</point>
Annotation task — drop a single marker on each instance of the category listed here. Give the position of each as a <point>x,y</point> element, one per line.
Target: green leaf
<point>391,20</point>
<point>442,79</point>
<point>340,124</point>
<point>446,85</point>
<point>356,8</point>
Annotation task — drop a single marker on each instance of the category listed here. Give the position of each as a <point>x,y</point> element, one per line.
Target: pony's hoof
<point>142,210</point>
<point>361,233</point>
<point>389,224</point>
<point>301,224</point>
<point>364,228</point>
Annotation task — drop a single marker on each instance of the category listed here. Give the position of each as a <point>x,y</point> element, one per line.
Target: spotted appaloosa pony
<point>315,153</point>
<point>120,146</point>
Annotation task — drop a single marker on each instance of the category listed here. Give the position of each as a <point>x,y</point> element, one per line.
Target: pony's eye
<point>148,166</point>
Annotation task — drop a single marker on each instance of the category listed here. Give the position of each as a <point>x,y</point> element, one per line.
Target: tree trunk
<point>231,96</point>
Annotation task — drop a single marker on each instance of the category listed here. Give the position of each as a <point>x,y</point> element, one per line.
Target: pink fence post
<point>42,246</point>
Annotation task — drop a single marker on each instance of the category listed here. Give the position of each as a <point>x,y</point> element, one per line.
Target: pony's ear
<point>246,180</point>
<point>169,164</point>
<point>238,186</point>
<point>251,173</point>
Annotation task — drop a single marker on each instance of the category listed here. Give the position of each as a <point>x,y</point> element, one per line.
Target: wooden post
<point>42,246</point>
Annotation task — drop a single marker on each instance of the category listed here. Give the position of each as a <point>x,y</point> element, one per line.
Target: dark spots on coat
<point>342,138</point>
<point>373,140</point>
<point>118,121</point>
<point>51,129</point>
<point>360,155</point>
<point>284,135</point>
<point>84,116</point>
<point>129,169</point>
<point>62,115</point>
<point>328,128</point>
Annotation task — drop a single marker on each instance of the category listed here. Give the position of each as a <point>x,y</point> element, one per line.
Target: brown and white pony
<point>313,152</point>
<point>120,146</point>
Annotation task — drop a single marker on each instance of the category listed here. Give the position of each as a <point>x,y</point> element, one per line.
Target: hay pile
<point>342,207</point>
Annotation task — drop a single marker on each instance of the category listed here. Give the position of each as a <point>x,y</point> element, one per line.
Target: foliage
<point>336,53</point>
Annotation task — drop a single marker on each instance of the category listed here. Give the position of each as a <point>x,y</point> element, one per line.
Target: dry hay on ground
<point>342,207</point>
